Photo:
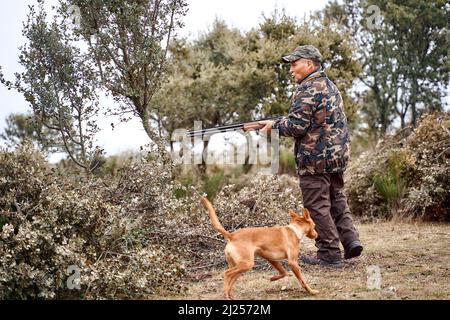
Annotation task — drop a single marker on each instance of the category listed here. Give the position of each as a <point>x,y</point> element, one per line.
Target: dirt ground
<point>400,261</point>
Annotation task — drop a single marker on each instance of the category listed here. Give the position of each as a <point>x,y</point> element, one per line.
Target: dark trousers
<point>323,196</point>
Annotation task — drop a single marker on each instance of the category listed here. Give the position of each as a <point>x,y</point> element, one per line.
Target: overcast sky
<point>242,14</point>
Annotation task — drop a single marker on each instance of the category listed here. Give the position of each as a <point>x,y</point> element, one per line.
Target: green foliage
<point>128,42</point>
<point>404,57</point>
<point>186,182</point>
<point>22,127</point>
<point>225,76</point>
<point>391,184</point>
<point>213,182</point>
<point>59,84</point>
<point>213,80</point>
<point>125,45</point>
<point>287,162</point>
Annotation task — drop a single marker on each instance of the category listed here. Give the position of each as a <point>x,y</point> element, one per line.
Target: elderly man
<point>318,124</point>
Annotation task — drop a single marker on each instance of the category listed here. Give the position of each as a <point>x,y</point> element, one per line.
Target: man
<point>318,124</point>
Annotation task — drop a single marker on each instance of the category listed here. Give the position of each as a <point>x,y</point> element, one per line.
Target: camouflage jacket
<point>317,122</point>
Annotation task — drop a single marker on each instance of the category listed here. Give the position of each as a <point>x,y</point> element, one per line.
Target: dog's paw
<point>277,277</point>
<point>314,292</point>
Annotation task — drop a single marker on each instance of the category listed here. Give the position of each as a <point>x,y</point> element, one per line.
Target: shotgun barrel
<point>224,128</point>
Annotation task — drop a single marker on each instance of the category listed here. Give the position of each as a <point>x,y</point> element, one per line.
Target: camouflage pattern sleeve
<point>298,121</point>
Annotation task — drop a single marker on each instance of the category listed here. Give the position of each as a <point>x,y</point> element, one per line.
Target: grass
<point>413,259</point>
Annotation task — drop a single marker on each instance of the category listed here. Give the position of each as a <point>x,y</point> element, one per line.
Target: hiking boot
<point>321,262</point>
<point>353,250</point>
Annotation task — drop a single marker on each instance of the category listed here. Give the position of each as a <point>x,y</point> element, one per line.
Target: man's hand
<point>266,126</point>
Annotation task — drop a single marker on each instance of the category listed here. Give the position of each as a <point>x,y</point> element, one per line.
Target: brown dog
<point>271,243</point>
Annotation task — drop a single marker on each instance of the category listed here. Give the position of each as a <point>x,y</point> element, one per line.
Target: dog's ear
<point>306,213</point>
<point>293,214</point>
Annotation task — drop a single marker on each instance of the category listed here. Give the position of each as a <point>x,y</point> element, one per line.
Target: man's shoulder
<point>320,83</point>
<point>314,85</point>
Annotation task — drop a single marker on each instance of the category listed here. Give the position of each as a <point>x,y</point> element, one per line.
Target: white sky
<point>130,136</point>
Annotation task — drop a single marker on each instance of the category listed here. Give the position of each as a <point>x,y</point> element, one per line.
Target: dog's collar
<point>297,233</point>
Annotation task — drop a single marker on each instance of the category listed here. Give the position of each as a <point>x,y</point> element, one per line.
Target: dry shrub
<point>406,177</point>
<point>429,195</point>
<point>128,234</point>
<point>50,222</point>
<point>259,200</point>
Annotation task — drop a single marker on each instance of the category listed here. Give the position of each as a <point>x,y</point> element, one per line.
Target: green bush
<point>213,182</point>
<point>391,184</point>
<point>287,162</point>
<point>185,183</point>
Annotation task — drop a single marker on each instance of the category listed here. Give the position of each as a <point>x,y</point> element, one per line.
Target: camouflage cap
<point>307,52</point>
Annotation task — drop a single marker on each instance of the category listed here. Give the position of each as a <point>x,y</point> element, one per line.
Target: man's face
<point>301,68</point>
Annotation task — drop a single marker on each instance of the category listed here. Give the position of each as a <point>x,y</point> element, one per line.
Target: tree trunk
<point>414,88</point>
<point>402,120</point>
<point>203,166</point>
<point>383,110</point>
<point>154,138</point>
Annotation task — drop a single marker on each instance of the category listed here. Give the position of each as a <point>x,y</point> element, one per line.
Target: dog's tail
<point>214,221</point>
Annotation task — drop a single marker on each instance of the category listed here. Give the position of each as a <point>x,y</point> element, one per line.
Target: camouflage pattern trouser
<point>324,198</point>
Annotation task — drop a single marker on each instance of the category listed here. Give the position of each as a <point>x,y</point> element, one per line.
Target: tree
<point>125,47</point>
<point>128,41</point>
<point>23,127</point>
<point>213,80</point>
<point>227,76</point>
<point>60,87</point>
<point>420,35</point>
<point>404,54</point>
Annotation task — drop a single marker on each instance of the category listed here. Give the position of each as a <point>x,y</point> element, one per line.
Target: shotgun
<point>227,128</point>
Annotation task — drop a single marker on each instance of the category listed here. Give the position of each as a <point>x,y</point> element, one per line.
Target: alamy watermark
<point>374,20</point>
<point>262,151</point>
<point>75,15</point>
<point>373,277</point>
<point>74,280</point>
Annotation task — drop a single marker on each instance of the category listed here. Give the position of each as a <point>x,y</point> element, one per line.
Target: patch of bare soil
<point>399,261</point>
